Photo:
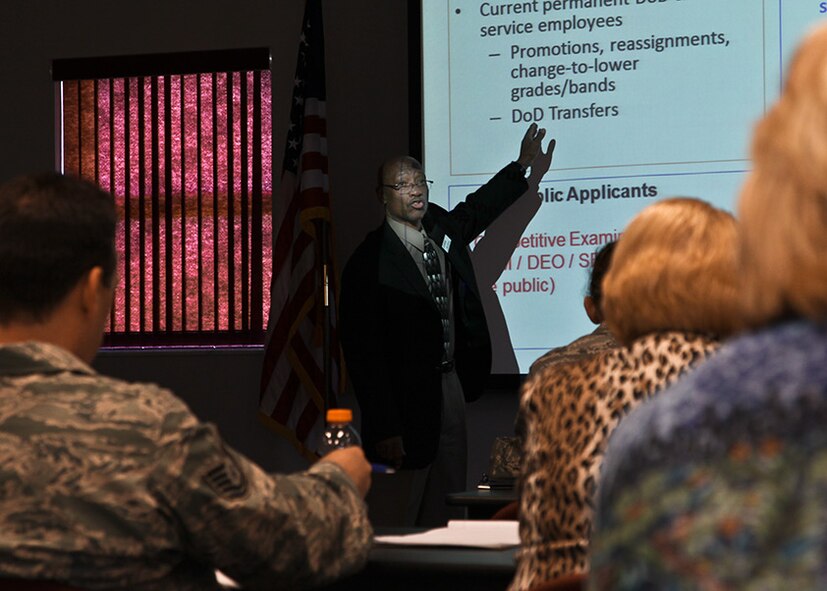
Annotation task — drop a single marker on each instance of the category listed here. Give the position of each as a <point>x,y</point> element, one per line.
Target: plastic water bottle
<point>339,431</point>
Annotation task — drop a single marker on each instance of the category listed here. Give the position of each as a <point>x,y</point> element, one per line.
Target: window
<point>183,141</point>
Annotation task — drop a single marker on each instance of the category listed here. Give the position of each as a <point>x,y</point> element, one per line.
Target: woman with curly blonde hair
<point>669,295</point>
<point>721,483</point>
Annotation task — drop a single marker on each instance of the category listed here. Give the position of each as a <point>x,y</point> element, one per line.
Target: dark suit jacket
<point>391,329</point>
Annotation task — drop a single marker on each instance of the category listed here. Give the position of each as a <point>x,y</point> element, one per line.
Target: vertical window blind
<point>183,142</point>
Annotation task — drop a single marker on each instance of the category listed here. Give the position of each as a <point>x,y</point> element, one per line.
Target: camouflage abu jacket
<point>110,485</point>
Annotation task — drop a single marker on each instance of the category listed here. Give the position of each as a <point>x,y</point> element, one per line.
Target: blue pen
<point>382,469</point>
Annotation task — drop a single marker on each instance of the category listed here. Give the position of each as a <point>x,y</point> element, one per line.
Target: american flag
<point>298,373</point>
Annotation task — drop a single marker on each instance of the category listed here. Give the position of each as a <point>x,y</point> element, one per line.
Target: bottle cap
<point>339,415</point>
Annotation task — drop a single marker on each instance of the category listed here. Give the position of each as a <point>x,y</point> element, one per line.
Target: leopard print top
<point>568,412</point>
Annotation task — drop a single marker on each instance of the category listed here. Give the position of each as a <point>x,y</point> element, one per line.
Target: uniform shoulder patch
<point>226,479</point>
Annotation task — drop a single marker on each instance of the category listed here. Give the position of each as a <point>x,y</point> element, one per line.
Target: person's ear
<point>592,310</point>
<point>91,302</point>
<point>93,289</point>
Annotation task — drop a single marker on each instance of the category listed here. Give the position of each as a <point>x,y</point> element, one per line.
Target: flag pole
<point>302,360</point>
<point>326,365</point>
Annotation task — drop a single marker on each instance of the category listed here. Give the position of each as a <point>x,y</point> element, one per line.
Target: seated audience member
<point>596,341</point>
<point>668,296</point>
<point>584,347</point>
<point>113,485</point>
<point>721,482</point>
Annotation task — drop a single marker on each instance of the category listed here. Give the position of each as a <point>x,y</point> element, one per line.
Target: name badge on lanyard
<point>446,243</point>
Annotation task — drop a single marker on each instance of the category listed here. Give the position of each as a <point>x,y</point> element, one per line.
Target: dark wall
<point>366,47</point>
<point>367,91</point>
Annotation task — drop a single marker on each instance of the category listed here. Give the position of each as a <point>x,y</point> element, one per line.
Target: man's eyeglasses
<point>405,188</point>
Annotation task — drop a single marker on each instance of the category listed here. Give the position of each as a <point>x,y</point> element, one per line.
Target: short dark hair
<point>395,161</point>
<point>53,229</point>
<point>602,259</point>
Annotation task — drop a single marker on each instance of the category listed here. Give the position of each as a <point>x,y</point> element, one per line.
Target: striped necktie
<point>436,285</point>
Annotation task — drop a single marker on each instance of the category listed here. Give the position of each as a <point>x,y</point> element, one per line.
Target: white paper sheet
<point>468,533</point>
<point>225,581</point>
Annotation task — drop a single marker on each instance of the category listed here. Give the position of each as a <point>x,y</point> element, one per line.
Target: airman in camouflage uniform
<point>106,484</point>
<point>106,481</point>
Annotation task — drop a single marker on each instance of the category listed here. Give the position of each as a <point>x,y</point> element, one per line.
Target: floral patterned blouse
<point>721,482</point>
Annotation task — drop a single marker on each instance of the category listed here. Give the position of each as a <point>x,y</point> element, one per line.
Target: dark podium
<point>482,504</point>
